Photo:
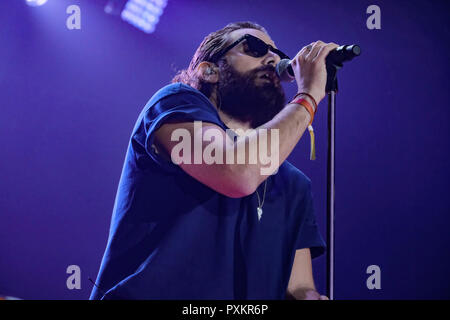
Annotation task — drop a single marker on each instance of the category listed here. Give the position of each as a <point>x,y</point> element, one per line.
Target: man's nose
<point>271,58</point>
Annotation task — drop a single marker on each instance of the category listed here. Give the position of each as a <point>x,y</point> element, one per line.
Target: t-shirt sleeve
<point>309,235</point>
<point>177,107</point>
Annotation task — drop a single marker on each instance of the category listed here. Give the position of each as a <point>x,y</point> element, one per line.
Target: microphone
<point>335,58</point>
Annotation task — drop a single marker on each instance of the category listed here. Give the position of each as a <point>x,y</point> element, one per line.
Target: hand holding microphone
<point>308,67</point>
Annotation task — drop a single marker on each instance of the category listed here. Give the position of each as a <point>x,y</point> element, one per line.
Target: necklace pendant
<point>260,212</point>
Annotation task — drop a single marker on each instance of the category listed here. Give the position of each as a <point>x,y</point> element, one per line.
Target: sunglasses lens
<point>256,47</point>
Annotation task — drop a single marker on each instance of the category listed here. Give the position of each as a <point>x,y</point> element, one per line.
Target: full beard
<point>247,97</point>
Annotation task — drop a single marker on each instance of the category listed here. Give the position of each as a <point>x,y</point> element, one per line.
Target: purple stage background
<point>69,100</point>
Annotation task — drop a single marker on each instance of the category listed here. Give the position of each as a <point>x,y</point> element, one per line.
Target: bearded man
<point>221,230</point>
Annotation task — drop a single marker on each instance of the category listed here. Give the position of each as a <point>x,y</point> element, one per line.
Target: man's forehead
<point>236,34</point>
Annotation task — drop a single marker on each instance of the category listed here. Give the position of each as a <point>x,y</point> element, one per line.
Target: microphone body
<point>334,58</point>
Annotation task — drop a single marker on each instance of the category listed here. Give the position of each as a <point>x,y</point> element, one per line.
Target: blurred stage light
<point>143,14</point>
<point>115,7</point>
<point>35,3</point>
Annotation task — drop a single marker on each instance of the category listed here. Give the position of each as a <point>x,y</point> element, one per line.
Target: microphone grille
<point>282,70</point>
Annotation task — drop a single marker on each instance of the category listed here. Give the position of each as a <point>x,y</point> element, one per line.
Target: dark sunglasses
<point>255,48</point>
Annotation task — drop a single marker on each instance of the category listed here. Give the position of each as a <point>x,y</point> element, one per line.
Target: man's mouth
<point>266,75</point>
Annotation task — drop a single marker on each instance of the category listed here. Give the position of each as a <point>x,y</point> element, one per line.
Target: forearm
<point>282,134</point>
<point>290,123</point>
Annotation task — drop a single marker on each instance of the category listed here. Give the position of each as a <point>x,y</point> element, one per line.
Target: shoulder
<point>178,92</point>
<point>174,88</point>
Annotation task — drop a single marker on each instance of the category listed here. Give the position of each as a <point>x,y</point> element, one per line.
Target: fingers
<point>324,50</point>
<point>323,298</point>
<point>316,46</point>
<point>317,50</point>
<point>309,68</point>
<point>305,50</point>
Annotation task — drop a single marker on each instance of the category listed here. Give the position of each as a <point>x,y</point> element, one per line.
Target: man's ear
<point>208,72</point>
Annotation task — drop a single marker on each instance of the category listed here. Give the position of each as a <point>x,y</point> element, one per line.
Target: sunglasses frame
<point>247,37</point>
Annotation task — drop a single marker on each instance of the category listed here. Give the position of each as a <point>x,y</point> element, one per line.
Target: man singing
<point>220,230</point>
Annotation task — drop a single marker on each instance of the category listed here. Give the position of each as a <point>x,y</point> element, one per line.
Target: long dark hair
<point>211,44</point>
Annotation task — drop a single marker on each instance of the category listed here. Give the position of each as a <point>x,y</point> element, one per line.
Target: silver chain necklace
<point>260,205</point>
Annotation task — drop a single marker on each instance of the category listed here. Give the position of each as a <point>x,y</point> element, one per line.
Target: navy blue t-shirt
<point>172,237</point>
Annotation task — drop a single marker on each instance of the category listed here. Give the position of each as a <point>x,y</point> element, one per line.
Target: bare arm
<point>233,179</point>
<point>301,283</point>
<point>239,180</point>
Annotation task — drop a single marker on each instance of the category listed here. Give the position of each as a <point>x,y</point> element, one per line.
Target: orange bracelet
<point>307,106</point>
<point>305,103</point>
<point>310,96</point>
